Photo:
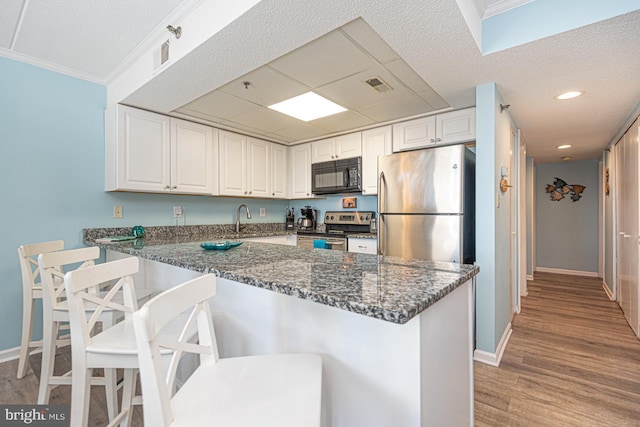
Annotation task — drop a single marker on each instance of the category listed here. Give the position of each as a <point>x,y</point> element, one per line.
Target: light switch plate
<point>177,211</point>
<point>263,211</point>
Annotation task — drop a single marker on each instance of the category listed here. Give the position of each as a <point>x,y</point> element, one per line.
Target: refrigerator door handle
<point>381,206</point>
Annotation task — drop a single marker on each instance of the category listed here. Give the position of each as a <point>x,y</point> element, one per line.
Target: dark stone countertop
<point>388,288</point>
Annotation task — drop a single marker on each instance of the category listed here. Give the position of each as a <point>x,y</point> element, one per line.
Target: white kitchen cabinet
<point>244,166</point>
<point>158,154</point>
<point>363,245</point>
<point>414,134</point>
<point>456,126</point>
<point>375,142</point>
<point>258,168</point>
<point>233,164</point>
<point>279,171</point>
<point>446,128</point>
<point>339,147</point>
<point>300,171</point>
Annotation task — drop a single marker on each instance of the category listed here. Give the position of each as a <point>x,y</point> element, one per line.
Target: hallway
<point>572,360</point>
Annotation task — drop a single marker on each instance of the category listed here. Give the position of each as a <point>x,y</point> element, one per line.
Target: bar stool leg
<point>49,338</point>
<point>27,330</point>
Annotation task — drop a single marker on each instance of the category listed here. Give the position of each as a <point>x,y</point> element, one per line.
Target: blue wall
<point>334,203</point>
<point>567,231</point>
<point>52,165</point>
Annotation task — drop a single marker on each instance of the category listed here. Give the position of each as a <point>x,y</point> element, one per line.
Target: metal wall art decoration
<point>559,189</point>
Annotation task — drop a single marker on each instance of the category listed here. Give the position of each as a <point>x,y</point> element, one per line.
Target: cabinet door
<point>143,151</point>
<point>456,126</point>
<point>323,150</point>
<point>193,164</point>
<point>258,168</point>
<point>233,164</point>
<point>300,171</point>
<point>279,168</point>
<point>363,246</point>
<point>348,145</point>
<point>375,142</point>
<point>414,134</point>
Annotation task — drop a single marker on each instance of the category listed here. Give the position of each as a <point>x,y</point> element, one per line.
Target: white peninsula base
<point>375,373</point>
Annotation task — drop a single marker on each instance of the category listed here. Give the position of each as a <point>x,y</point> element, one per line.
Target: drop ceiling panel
<point>345,121</point>
<point>9,21</point>
<point>268,87</point>
<point>265,119</point>
<point>364,36</point>
<point>93,36</point>
<point>220,104</point>
<point>327,59</point>
<point>301,131</point>
<point>199,115</point>
<point>397,108</point>
<point>352,92</point>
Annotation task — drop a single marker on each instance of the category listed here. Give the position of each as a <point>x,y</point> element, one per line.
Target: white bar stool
<point>55,311</point>
<point>31,291</point>
<point>268,391</point>
<point>112,348</point>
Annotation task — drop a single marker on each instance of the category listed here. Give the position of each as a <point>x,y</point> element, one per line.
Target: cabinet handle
<point>167,187</point>
<point>432,140</point>
<point>307,194</point>
<point>438,140</point>
<point>174,187</point>
<point>245,192</point>
<point>273,194</point>
<point>250,192</point>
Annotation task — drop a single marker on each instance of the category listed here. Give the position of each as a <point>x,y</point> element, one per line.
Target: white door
<point>279,168</point>
<point>192,158</point>
<point>375,142</point>
<point>233,164</point>
<point>258,168</point>
<point>143,159</point>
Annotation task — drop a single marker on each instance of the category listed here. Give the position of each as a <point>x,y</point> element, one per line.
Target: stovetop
<point>342,223</point>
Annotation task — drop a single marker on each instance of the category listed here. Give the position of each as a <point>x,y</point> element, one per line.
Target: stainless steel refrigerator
<point>426,204</point>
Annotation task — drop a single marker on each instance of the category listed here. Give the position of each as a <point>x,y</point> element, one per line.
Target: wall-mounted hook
<point>504,107</point>
<point>175,31</point>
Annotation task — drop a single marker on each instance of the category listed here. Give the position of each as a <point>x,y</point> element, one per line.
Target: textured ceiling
<point>431,37</point>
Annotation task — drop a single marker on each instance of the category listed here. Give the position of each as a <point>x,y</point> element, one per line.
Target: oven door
<point>335,177</point>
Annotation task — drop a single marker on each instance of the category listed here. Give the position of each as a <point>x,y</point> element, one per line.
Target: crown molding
<point>503,6</point>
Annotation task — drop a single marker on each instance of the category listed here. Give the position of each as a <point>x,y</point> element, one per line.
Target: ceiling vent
<point>377,84</point>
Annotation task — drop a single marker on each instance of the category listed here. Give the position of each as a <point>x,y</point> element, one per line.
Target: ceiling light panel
<point>308,106</point>
<point>563,147</point>
<point>569,95</point>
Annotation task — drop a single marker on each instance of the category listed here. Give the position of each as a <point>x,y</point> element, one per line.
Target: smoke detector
<point>377,84</point>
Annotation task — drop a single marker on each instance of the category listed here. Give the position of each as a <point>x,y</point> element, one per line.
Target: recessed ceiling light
<point>569,95</point>
<point>565,158</point>
<point>308,106</point>
<point>562,147</point>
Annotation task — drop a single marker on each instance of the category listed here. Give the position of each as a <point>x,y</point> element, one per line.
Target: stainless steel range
<point>338,225</point>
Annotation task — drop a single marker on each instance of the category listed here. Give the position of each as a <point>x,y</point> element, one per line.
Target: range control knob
<point>367,218</point>
<point>361,217</point>
<point>332,217</point>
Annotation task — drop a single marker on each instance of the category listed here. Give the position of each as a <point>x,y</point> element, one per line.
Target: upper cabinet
<point>375,142</point>
<point>245,168</point>
<point>340,147</point>
<point>155,153</point>
<point>300,171</point>
<point>279,171</point>
<point>447,128</point>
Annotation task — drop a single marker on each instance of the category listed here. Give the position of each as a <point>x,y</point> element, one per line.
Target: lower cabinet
<point>363,245</point>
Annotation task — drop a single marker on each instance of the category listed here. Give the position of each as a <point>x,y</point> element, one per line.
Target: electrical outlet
<point>177,211</point>
<point>263,211</point>
<point>117,211</point>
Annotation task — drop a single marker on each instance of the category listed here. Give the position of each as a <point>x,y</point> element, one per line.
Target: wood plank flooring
<point>572,360</point>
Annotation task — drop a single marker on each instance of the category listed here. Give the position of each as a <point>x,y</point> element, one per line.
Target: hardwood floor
<point>25,390</point>
<point>572,360</point>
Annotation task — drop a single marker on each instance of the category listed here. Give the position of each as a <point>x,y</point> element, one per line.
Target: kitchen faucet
<point>238,216</point>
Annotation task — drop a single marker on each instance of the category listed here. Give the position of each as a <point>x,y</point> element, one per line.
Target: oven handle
<point>335,242</point>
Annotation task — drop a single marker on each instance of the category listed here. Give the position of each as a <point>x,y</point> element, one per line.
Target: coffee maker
<point>308,219</point>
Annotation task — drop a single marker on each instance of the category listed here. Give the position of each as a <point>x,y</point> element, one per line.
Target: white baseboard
<point>14,353</point>
<point>607,290</point>
<point>494,359</point>
<point>529,276</point>
<point>570,272</point>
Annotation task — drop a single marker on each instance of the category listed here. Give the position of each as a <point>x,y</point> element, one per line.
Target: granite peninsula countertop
<point>388,288</point>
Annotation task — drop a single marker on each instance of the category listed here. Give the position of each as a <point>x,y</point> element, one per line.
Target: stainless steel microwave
<point>337,176</point>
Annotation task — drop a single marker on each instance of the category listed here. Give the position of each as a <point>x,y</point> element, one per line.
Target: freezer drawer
<point>432,237</point>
